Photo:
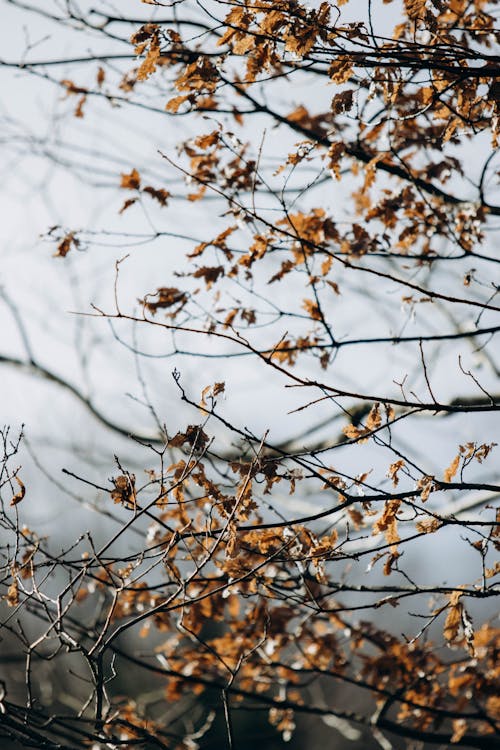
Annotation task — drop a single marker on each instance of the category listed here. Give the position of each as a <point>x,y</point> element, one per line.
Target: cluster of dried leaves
<point>223,592</point>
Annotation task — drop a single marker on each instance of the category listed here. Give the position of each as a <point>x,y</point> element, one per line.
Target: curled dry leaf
<point>454,617</point>
<point>19,495</point>
<point>12,597</point>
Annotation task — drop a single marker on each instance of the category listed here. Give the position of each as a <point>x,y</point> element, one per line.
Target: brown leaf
<point>210,274</point>
<point>167,297</point>
<point>194,436</point>
<point>342,102</point>
<point>129,202</point>
<point>19,495</point>
<point>65,245</point>
<point>428,525</point>
<point>72,88</point>
<point>124,491</point>
<point>159,194</point>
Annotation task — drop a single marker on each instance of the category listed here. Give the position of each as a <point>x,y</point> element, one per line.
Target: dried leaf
<point>65,245</point>
<point>454,617</point>
<point>124,491</point>
<point>131,181</point>
<point>394,469</point>
<point>150,62</point>
<point>173,104</point>
<point>12,597</point>
<point>452,469</point>
<point>374,419</point>
<point>129,202</point>
<point>159,194</point>
<point>19,495</point>
<point>459,729</point>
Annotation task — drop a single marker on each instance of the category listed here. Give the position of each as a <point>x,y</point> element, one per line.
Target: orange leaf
<point>452,469</point>
<point>173,104</point>
<point>131,181</point>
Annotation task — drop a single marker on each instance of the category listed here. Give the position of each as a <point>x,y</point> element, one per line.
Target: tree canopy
<point>310,528</point>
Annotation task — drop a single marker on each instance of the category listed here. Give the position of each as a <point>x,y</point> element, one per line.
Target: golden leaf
<point>391,533</point>
<point>342,102</point>
<point>173,104</point>
<point>210,392</point>
<point>244,45</point>
<point>72,88</point>
<point>374,419</point>
<point>415,8</point>
<point>150,62</point>
<point>124,491</point>
<point>454,617</point>
<point>388,523</point>
<point>131,181</point>
<point>353,433</point>
<point>312,309</point>
<point>229,319</point>
<point>426,486</point>
<point>459,729</point>
<point>428,525</point>
<point>159,194</point>
<point>13,595</point>
<point>491,572</point>
<point>450,129</point>
<point>452,469</point>
<point>393,471</point>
